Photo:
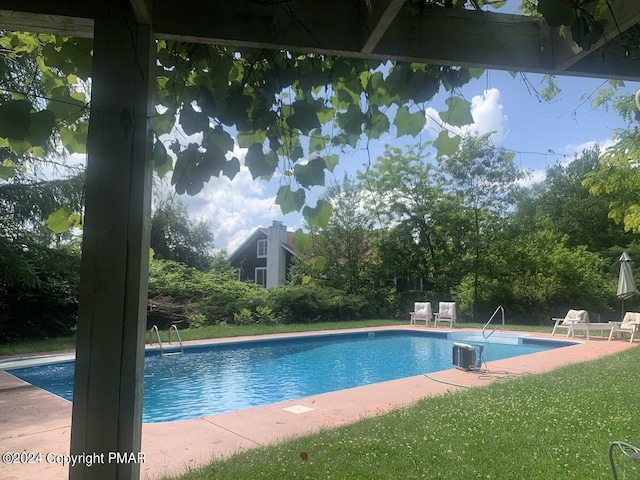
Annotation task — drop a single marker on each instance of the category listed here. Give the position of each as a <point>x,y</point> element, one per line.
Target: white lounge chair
<point>446,313</point>
<point>421,311</point>
<point>630,324</point>
<point>573,316</point>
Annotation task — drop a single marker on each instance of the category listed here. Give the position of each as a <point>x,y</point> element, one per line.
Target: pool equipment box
<point>464,356</point>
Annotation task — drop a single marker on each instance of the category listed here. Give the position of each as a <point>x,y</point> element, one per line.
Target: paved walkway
<point>32,420</point>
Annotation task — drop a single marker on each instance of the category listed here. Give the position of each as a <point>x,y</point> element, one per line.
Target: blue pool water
<point>214,379</point>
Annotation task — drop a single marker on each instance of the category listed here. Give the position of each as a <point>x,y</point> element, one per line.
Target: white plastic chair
<point>630,324</point>
<point>446,313</point>
<point>421,311</point>
<point>573,316</point>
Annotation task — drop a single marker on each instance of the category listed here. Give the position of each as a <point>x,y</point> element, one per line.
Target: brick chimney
<point>276,265</point>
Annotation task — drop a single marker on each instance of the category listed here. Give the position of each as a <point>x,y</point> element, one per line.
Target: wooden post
<point>107,407</point>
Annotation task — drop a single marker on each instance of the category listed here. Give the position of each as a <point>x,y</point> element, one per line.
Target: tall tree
<point>562,199</point>
<point>346,243</point>
<point>29,195</point>
<point>483,178</point>
<point>175,236</point>
<point>618,179</point>
<point>405,197</point>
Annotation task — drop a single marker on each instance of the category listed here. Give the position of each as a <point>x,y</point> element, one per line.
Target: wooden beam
<point>331,26</point>
<point>107,396</point>
<point>384,29</point>
<point>46,23</point>
<point>379,15</point>
<point>448,36</point>
<point>142,11</point>
<point>610,63</point>
<point>626,14</point>
<point>439,36</point>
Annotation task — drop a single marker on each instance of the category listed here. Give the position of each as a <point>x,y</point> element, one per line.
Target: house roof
<point>262,232</point>
<point>289,244</point>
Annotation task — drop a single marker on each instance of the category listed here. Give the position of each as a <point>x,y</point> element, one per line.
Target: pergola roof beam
<point>626,14</point>
<point>490,40</point>
<point>379,16</point>
<point>380,29</point>
<point>330,27</point>
<point>47,23</point>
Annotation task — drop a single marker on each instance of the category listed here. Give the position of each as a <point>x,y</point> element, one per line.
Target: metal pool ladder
<point>485,335</point>
<point>157,332</point>
<point>174,327</point>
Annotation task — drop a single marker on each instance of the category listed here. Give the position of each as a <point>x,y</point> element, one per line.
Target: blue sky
<point>541,134</point>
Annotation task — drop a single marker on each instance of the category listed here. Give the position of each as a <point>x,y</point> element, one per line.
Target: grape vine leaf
<point>408,123</point>
<point>459,112</point>
<point>446,145</point>
<point>290,200</point>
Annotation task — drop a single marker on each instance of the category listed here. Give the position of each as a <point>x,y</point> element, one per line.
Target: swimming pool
<point>218,378</point>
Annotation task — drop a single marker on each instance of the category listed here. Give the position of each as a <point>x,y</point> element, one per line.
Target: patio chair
<point>446,313</point>
<point>573,316</point>
<point>421,311</point>
<point>627,449</point>
<point>630,324</point>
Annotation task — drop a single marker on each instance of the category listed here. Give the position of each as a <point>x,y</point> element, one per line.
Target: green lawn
<point>216,331</point>
<point>38,346</point>
<point>556,425</point>
<point>224,331</point>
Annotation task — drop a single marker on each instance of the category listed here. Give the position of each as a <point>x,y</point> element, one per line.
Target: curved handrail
<point>499,309</point>
<point>154,328</point>
<point>173,327</point>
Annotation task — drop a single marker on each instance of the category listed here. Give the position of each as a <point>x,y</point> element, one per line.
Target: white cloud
<point>569,154</point>
<point>487,113</point>
<point>534,176</point>
<point>235,208</point>
<point>68,166</point>
<point>572,150</point>
<point>488,116</point>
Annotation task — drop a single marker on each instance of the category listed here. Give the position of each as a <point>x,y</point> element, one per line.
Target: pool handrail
<point>499,309</point>
<point>174,327</point>
<point>154,328</point>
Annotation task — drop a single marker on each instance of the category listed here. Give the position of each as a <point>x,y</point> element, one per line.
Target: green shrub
<point>265,315</point>
<point>197,320</point>
<point>215,296</point>
<point>348,306</point>
<point>243,317</point>
<point>227,298</point>
<point>221,299</point>
<point>180,282</point>
<point>297,303</point>
<point>536,278</point>
<point>46,306</point>
<point>294,303</point>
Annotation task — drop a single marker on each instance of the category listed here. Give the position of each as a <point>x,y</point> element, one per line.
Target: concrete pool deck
<point>33,420</point>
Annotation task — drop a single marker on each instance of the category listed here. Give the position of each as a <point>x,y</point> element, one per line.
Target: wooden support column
<point>107,407</point>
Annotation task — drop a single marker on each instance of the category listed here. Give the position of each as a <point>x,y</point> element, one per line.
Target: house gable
<point>265,256</point>
<point>245,258</point>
